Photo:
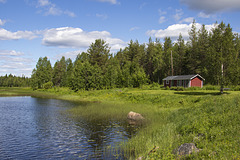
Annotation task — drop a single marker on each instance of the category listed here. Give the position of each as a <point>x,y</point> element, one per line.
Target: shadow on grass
<point>200,93</point>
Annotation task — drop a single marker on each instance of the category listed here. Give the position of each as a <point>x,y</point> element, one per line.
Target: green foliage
<point>140,64</point>
<point>153,86</point>
<point>98,53</point>
<point>48,85</point>
<point>42,74</point>
<point>236,88</point>
<point>203,117</point>
<point>14,81</point>
<point>60,73</point>
<point>211,87</point>
<point>86,77</point>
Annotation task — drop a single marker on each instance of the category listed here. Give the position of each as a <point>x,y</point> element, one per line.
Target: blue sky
<point>30,29</point>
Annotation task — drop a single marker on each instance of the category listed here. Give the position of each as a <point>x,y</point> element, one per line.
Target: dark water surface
<point>35,128</point>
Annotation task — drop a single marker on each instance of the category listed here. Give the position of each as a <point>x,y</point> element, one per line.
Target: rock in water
<point>186,149</point>
<point>134,116</point>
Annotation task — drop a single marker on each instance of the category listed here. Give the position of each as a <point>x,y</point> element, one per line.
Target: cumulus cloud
<point>110,1</point>
<point>160,12</point>
<point>173,31</point>
<point>69,13</point>
<point>16,68</point>
<point>77,38</point>
<point>187,20</point>
<point>178,14</point>
<point>203,15</point>
<point>142,5</point>
<point>43,2</point>
<point>8,35</point>
<point>102,16</point>
<point>212,6</point>
<point>2,22</point>
<point>51,9</point>
<point>162,19</point>
<point>134,28</point>
<point>10,53</point>
<point>71,54</point>
<point>15,62</point>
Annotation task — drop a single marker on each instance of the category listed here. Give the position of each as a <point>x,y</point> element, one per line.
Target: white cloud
<point>162,19</point>
<point>15,62</point>
<point>134,28</point>
<point>187,20</point>
<point>178,14</point>
<point>16,68</point>
<point>161,12</point>
<point>142,5</point>
<point>7,35</point>
<point>2,1</point>
<point>54,11</point>
<point>110,1</point>
<point>204,15</point>
<point>71,54</point>
<point>69,13</point>
<point>102,16</point>
<point>43,2</point>
<point>51,9</point>
<point>77,38</point>
<point>2,22</point>
<point>212,6</point>
<point>10,53</point>
<point>173,31</point>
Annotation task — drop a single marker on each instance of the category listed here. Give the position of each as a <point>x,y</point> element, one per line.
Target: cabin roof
<point>183,77</point>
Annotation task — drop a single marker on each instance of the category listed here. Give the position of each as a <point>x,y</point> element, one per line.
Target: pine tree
<point>43,71</point>
<point>203,51</point>
<point>99,53</point>
<point>167,48</point>
<point>179,56</point>
<point>69,73</point>
<point>59,72</point>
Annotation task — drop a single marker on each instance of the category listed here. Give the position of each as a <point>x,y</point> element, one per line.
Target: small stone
<point>139,158</point>
<point>187,149</point>
<point>134,116</point>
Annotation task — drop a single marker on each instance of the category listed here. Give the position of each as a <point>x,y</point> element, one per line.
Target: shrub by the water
<point>48,85</point>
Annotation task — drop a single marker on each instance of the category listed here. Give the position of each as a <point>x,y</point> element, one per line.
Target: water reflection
<point>34,128</point>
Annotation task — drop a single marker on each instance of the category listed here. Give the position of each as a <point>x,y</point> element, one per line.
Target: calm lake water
<point>35,128</point>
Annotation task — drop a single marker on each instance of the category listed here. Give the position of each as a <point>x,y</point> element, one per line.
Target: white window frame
<point>167,81</point>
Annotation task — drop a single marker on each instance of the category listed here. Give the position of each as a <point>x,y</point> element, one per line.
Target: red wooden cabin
<point>184,81</point>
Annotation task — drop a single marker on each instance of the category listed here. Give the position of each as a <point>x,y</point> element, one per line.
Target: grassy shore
<point>203,117</point>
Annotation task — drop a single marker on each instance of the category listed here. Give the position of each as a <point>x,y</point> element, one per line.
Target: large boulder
<point>134,116</point>
<point>186,149</point>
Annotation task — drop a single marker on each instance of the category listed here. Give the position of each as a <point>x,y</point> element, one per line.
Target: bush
<point>173,88</point>
<point>211,87</point>
<point>180,89</point>
<point>236,88</point>
<point>193,88</point>
<point>177,88</point>
<point>48,85</point>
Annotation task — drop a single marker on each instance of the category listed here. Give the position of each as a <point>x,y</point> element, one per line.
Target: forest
<point>137,64</point>
<point>14,81</point>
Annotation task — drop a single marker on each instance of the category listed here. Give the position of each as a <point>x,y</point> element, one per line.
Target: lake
<point>36,128</point>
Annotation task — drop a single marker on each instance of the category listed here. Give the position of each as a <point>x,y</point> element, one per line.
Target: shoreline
<point>173,118</point>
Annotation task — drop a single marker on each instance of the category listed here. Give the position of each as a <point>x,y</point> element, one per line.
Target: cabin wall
<point>167,84</point>
<point>196,82</point>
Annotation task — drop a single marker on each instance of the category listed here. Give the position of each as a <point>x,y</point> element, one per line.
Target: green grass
<point>171,118</point>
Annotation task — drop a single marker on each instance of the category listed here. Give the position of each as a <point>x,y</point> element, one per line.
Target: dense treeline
<point>14,81</point>
<point>137,64</point>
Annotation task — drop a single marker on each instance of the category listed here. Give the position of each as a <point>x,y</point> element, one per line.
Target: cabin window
<point>180,83</point>
<point>167,81</point>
